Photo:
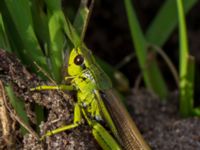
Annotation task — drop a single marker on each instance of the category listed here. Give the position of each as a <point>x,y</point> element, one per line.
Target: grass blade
<point>4,43</point>
<point>165,21</point>
<point>23,24</point>
<point>40,21</point>
<point>186,66</point>
<point>81,17</point>
<point>152,75</point>
<point>56,37</point>
<point>18,105</point>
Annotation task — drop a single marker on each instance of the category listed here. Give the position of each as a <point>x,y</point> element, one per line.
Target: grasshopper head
<point>77,62</point>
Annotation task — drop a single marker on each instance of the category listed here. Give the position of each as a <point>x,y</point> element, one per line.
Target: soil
<point>158,121</point>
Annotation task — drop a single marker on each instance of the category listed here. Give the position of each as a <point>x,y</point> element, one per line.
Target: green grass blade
<point>196,111</point>
<point>187,89</point>
<point>40,21</point>
<point>165,21</point>
<point>20,14</point>
<point>119,81</point>
<point>11,32</point>
<point>4,43</point>
<point>81,17</point>
<point>71,32</point>
<point>186,66</point>
<point>56,37</point>
<point>18,105</point>
<point>151,73</point>
<point>39,112</point>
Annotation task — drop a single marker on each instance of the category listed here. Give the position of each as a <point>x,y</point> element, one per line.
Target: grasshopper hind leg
<point>102,136</point>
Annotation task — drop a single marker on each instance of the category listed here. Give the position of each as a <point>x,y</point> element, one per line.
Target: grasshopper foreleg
<point>51,87</point>
<point>76,122</point>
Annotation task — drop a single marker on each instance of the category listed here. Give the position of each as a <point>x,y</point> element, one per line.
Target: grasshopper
<point>97,101</point>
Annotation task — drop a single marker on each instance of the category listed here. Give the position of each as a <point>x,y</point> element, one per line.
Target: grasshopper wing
<point>126,128</point>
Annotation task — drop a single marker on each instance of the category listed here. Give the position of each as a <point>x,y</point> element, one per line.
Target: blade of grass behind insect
<point>40,21</point>
<point>56,37</point>
<point>81,17</point>
<point>22,20</point>
<point>11,32</point>
<point>196,111</point>
<point>165,21</point>
<point>186,104</point>
<point>39,112</point>
<point>115,75</point>
<point>71,32</point>
<point>18,106</point>
<point>151,73</point>
<point>186,66</point>
<point>190,87</point>
<point>4,43</point>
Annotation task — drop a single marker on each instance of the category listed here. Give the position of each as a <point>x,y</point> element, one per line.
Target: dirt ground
<point>158,121</point>
<point>161,124</point>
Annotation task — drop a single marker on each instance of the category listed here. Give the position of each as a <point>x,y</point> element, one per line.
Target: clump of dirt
<point>160,123</point>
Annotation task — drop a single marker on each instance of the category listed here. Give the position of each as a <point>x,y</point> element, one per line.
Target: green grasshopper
<point>97,101</point>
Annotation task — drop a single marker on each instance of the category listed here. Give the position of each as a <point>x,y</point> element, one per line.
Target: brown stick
<point>16,117</point>
<point>5,119</point>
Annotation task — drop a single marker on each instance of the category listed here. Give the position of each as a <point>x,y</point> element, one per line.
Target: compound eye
<point>79,60</point>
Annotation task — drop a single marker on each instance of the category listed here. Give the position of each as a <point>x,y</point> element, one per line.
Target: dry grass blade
<point>5,119</point>
<point>6,112</point>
